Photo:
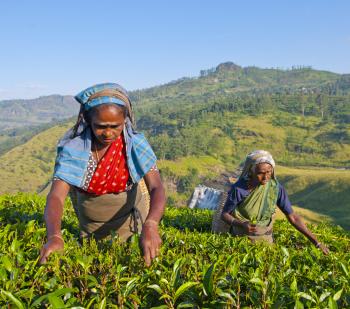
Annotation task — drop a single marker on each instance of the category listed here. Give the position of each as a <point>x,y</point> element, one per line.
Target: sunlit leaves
<point>196,268</point>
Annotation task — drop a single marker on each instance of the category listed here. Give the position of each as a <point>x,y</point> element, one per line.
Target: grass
<point>284,141</point>
<point>207,166</point>
<point>323,191</point>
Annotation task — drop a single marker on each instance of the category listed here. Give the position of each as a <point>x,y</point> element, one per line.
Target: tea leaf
<point>183,288</point>
<point>13,299</point>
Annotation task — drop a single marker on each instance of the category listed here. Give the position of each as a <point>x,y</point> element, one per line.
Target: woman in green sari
<point>251,203</point>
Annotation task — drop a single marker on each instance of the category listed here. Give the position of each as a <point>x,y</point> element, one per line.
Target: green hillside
<point>323,191</point>
<point>225,80</point>
<point>21,113</point>
<point>229,78</point>
<point>195,268</point>
<point>228,87</point>
<point>11,138</point>
<point>298,140</point>
<point>28,167</point>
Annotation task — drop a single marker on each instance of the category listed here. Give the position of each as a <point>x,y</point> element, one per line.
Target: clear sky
<point>61,47</point>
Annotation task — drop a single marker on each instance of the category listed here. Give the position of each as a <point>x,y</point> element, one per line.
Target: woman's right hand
<point>53,244</point>
<point>249,228</point>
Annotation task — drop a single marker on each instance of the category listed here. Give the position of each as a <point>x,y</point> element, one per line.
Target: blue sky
<point>61,47</point>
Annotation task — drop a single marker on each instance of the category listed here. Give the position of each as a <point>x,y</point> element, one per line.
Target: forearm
<point>53,216</point>
<point>298,223</point>
<point>230,220</point>
<point>157,204</point>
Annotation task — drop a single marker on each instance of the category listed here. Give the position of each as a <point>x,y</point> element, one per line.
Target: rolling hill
<point>225,80</point>
<point>21,113</point>
<point>28,167</point>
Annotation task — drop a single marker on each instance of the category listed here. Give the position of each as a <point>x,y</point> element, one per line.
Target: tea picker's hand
<point>55,243</point>
<point>150,241</point>
<point>323,248</point>
<point>249,228</point>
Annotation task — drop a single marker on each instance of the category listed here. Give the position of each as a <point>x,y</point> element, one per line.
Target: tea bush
<point>195,269</point>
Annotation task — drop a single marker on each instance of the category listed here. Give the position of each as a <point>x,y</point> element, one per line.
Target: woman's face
<point>107,123</point>
<point>263,173</point>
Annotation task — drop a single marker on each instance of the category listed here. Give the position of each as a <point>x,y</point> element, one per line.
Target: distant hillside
<point>11,138</point>
<point>28,167</point>
<point>19,113</point>
<point>223,132</point>
<point>224,81</point>
<point>323,191</point>
<point>229,79</point>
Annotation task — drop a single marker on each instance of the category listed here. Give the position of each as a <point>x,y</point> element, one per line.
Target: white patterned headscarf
<point>253,159</point>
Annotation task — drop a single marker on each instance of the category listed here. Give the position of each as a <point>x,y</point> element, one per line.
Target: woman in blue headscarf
<point>100,163</point>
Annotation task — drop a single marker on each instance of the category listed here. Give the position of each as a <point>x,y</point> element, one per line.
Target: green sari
<point>259,205</point>
<point>258,208</point>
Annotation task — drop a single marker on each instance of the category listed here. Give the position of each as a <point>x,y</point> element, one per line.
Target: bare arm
<point>298,223</point>
<point>53,218</point>
<point>150,239</point>
<point>157,195</point>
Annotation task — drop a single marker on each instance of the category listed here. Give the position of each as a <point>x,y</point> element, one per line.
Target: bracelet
<point>151,222</point>
<point>55,235</point>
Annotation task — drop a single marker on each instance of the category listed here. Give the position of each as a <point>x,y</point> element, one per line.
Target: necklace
<point>96,153</point>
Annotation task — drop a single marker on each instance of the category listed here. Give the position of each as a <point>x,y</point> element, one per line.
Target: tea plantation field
<point>196,269</point>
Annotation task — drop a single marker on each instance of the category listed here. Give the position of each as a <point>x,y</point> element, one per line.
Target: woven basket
<point>145,194</point>
<point>219,226</point>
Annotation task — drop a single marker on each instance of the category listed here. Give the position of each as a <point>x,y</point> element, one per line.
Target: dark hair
<point>86,116</point>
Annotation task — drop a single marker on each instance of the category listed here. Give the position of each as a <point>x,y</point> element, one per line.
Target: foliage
<point>186,183</point>
<point>229,126</point>
<point>195,269</point>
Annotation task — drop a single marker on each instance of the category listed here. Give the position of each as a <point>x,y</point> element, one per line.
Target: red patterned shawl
<point>111,174</point>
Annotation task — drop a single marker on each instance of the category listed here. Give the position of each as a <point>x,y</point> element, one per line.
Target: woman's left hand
<point>150,241</point>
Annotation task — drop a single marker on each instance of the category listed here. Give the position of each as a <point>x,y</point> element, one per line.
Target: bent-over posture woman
<point>100,162</point>
<point>252,200</point>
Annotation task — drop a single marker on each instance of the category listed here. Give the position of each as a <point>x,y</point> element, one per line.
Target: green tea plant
<point>195,269</point>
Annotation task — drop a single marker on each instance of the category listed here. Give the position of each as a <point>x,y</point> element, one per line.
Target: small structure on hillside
<point>209,198</point>
<point>205,198</point>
